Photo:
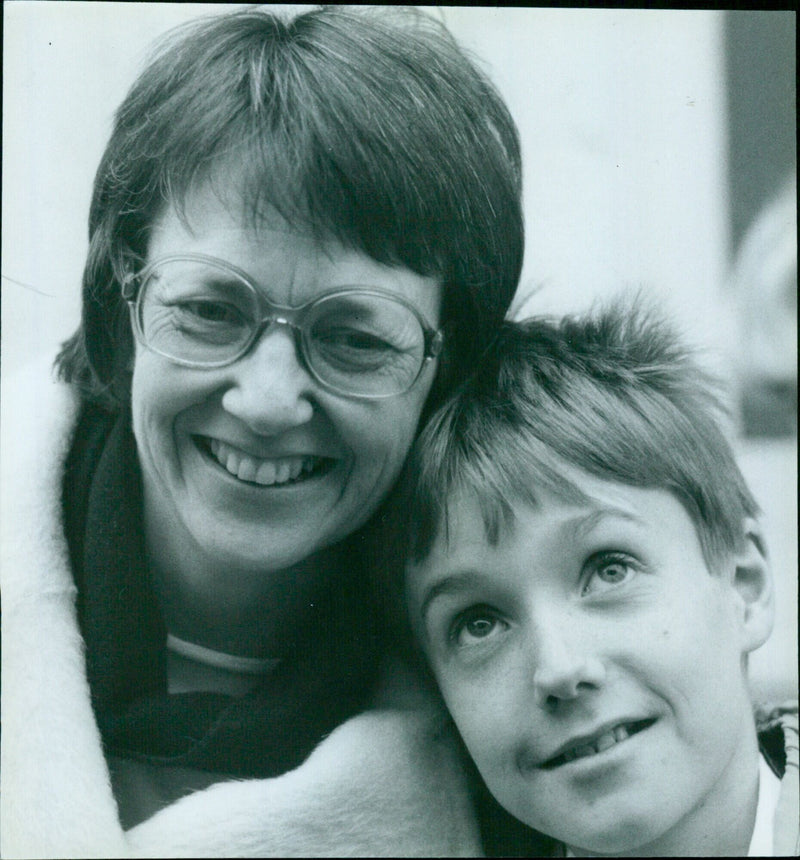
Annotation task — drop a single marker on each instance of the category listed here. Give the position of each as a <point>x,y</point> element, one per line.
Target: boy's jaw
<point>616,802</point>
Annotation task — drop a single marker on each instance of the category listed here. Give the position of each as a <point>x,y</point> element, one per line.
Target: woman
<point>301,231</point>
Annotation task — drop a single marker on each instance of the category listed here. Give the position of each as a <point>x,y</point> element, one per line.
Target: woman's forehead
<point>292,265</point>
<point>236,195</point>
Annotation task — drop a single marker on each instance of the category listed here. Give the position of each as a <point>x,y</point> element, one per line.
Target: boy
<point>586,578</point>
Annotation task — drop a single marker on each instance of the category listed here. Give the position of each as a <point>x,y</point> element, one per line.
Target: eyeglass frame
<point>433,338</point>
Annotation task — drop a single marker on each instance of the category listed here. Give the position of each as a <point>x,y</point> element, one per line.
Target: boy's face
<point>594,667</point>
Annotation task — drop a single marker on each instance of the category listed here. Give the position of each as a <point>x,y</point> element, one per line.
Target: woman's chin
<point>251,526</point>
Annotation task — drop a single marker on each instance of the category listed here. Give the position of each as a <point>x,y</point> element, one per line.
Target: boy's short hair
<point>614,393</point>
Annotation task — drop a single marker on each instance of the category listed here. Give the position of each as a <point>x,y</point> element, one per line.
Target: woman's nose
<point>565,663</point>
<point>270,390</point>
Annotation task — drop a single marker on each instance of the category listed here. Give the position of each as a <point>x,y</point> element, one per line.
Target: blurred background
<point>659,153</point>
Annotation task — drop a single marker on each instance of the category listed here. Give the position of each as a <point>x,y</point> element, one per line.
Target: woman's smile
<point>264,471</point>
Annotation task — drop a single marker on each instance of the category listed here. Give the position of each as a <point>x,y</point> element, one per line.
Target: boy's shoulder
<point>778,734</point>
<point>778,741</point>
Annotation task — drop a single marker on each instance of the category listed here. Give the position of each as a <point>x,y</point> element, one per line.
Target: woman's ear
<point>753,587</point>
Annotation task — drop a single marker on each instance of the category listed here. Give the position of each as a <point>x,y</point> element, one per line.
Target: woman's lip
<point>276,471</point>
<point>263,452</point>
<point>595,743</point>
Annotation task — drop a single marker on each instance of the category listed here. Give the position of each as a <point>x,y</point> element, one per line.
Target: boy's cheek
<point>479,713</point>
<point>424,639</point>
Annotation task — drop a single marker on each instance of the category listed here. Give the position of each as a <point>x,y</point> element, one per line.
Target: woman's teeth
<point>266,472</point>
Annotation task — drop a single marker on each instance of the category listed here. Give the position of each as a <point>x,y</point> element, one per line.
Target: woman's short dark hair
<point>366,125</point>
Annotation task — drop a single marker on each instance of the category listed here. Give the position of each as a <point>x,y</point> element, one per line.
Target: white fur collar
<point>385,783</point>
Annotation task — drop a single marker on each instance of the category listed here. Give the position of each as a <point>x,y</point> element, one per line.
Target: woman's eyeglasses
<point>202,312</point>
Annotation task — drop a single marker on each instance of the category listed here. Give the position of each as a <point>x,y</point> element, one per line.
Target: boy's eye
<point>475,626</point>
<point>608,570</point>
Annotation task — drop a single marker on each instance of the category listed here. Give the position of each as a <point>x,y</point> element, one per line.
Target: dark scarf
<point>265,733</point>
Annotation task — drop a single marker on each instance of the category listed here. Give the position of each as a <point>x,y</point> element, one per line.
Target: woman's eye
<point>352,340</point>
<point>609,570</point>
<point>476,626</point>
<point>355,340</point>
<point>212,312</point>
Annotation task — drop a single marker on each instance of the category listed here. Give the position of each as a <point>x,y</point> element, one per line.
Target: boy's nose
<point>565,665</point>
<point>270,389</point>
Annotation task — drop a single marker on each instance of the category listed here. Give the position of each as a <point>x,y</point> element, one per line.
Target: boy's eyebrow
<point>583,525</point>
<point>449,584</point>
<point>576,528</point>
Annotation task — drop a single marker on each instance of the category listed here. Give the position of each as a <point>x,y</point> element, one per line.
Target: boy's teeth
<point>255,470</point>
<point>585,750</point>
<point>604,742</point>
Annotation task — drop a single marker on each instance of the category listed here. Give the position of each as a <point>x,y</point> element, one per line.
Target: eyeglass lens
<point>206,316</point>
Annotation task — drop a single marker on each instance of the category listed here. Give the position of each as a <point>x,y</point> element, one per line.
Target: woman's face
<point>255,466</point>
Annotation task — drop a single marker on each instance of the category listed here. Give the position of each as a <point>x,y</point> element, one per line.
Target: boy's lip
<point>595,741</point>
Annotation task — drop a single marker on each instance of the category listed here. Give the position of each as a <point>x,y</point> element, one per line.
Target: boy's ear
<point>753,586</point>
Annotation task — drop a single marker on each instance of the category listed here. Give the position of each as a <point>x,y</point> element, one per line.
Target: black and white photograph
<point>398,431</point>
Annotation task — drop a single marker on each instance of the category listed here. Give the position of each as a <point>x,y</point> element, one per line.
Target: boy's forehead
<point>463,514</point>
<point>464,520</point>
<point>463,537</point>
<point>460,535</point>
